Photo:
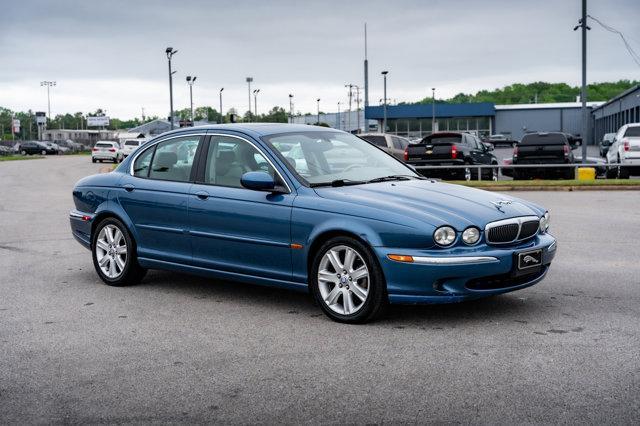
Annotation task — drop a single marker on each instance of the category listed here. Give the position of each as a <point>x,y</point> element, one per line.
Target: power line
<point>634,55</point>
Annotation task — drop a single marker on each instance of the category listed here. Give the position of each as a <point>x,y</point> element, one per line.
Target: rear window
<point>544,139</point>
<point>376,140</point>
<point>633,131</point>
<point>104,145</point>
<point>442,140</point>
<point>132,143</point>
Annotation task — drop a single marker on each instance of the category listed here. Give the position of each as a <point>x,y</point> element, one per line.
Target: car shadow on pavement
<point>511,306</point>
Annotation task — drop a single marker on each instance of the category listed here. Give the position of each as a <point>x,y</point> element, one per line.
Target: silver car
<point>392,144</point>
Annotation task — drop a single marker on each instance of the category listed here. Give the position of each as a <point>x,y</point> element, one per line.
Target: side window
<point>173,159</point>
<point>141,165</point>
<point>397,142</point>
<point>229,158</point>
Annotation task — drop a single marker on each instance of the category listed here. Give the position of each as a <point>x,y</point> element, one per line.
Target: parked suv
<point>392,144</point>
<point>33,148</point>
<point>131,145</point>
<point>545,148</point>
<point>605,143</point>
<point>106,150</point>
<point>623,158</point>
<point>452,149</point>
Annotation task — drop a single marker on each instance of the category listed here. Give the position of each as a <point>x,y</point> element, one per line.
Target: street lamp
<point>384,105</point>
<point>249,80</point>
<point>291,108</point>
<point>190,82</point>
<point>433,109</point>
<point>338,118</point>
<point>318,100</point>
<point>170,52</point>
<point>48,84</point>
<point>255,102</point>
<point>221,116</point>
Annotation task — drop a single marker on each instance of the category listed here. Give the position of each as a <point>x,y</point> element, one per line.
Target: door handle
<point>128,187</point>
<point>202,195</point>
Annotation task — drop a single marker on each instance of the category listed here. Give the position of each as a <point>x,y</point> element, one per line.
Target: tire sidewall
<point>377,297</point>
<point>129,270</point>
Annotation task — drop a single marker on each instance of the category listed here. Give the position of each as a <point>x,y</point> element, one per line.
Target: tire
<point>494,173</point>
<point>622,172</point>
<point>93,160</point>
<point>23,152</point>
<point>348,305</point>
<point>610,172</point>
<point>43,152</point>
<point>113,249</point>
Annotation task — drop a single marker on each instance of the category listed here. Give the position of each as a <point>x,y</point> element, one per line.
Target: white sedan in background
<point>106,151</point>
<point>623,157</point>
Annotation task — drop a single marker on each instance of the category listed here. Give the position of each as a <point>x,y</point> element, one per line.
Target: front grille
<point>503,233</point>
<point>512,230</point>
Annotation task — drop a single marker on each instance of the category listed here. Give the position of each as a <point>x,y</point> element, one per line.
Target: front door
<point>235,229</point>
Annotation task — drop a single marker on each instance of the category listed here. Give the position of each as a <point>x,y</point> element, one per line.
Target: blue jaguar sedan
<point>311,209</point>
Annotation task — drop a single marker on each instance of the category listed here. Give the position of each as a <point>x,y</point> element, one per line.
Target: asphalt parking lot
<point>179,349</point>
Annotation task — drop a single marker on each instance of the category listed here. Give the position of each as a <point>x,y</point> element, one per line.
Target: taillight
<point>626,144</point>
<point>406,154</point>
<point>94,149</point>
<point>454,152</point>
<point>112,150</point>
<point>515,152</point>
<point>566,150</point>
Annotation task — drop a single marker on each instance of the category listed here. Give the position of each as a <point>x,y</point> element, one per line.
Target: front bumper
<point>460,273</point>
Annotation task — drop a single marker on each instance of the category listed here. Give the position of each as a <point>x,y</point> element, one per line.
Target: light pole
<point>190,82</point>
<point>255,103</point>
<point>290,108</point>
<point>170,52</point>
<point>384,105</point>
<point>48,84</point>
<point>249,80</point>
<point>357,106</point>
<point>350,86</point>
<point>433,110</point>
<point>221,116</point>
<point>318,100</point>
<point>338,124</point>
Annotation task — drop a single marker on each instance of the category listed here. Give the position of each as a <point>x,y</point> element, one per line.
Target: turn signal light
<point>400,258</point>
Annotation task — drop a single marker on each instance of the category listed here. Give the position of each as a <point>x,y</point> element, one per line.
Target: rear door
<point>155,197</point>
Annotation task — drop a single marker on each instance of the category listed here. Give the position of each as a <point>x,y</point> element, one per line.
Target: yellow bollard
<point>586,173</point>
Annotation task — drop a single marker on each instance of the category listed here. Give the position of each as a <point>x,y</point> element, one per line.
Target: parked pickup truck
<point>452,149</point>
<point>545,148</point>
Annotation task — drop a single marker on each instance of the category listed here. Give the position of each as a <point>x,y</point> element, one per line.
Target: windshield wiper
<point>394,177</point>
<point>338,182</point>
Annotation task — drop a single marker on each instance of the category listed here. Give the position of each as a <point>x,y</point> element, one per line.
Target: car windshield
<point>104,145</point>
<point>321,158</point>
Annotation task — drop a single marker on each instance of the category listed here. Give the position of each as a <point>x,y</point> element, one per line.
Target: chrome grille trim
<point>511,221</point>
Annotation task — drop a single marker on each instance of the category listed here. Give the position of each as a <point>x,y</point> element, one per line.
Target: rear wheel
<point>347,282</point>
<point>43,152</point>
<point>622,172</point>
<point>114,254</point>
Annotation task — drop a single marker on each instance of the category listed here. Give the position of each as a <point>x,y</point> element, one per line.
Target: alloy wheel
<point>343,280</point>
<point>467,174</point>
<point>111,251</point>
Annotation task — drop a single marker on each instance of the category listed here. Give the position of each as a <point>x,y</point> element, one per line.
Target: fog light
<point>444,236</point>
<point>471,235</point>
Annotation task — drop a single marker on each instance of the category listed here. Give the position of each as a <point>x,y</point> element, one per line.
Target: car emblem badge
<point>429,151</point>
<point>530,259</point>
<point>500,203</point>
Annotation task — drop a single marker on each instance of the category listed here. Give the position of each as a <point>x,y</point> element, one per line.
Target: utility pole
<point>170,52</point>
<point>249,80</point>
<point>290,108</point>
<point>366,70</point>
<point>384,105</point>
<point>48,84</point>
<point>190,82</point>
<point>357,106</point>
<point>318,100</point>
<point>582,23</point>
<point>221,115</point>
<point>433,110</point>
<point>338,125</point>
<point>350,86</point>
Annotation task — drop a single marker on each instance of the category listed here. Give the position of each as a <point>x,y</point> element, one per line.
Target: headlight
<point>471,235</point>
<point>444,236</point>
<point>544,222</point>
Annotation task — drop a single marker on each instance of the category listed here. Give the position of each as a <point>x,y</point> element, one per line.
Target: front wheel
<point>43,152</point>
<point>347,281</point>
<point>114,254</point>
<point>23,152</point>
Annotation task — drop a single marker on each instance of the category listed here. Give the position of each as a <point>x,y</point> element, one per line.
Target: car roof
<point>257,129</point>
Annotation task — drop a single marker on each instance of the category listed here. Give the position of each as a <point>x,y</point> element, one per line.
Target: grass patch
<point>20,157</point>
<point>551,184</point>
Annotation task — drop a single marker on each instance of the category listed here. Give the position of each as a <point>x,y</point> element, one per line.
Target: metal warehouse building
<point>623,109</point>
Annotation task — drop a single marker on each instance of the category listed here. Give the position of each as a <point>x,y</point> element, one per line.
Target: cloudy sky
<point>110,54</point>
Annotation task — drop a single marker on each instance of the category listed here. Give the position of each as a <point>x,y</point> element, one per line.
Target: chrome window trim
<point>514,220</point>
<point>460,260</point>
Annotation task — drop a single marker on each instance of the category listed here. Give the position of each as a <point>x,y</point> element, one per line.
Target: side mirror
<point>260,181</point>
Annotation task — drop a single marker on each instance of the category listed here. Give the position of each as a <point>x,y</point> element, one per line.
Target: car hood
<point>432,202</point>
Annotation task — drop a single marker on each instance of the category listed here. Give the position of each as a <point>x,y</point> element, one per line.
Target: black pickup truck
<point>452,149</point>
<point>545,148</point>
